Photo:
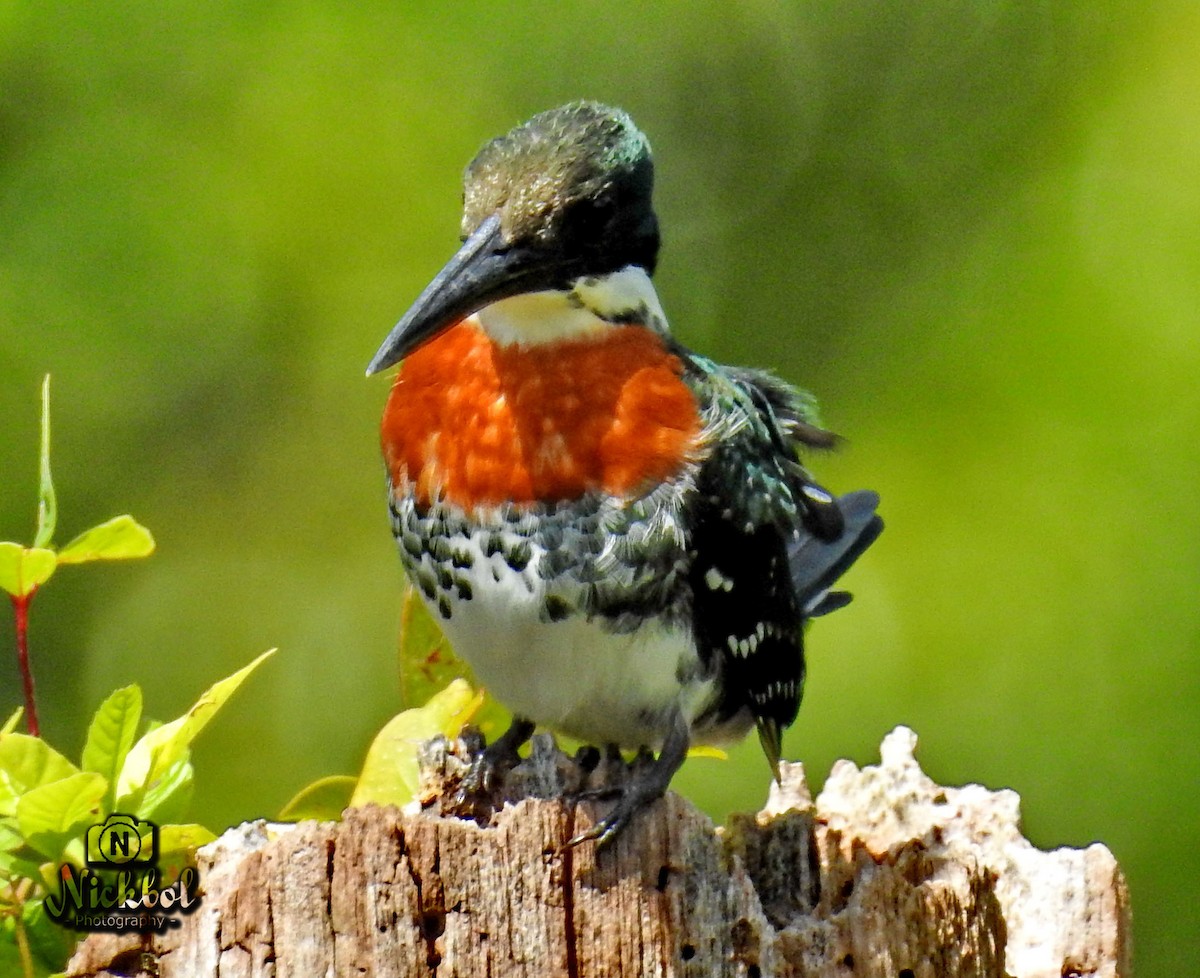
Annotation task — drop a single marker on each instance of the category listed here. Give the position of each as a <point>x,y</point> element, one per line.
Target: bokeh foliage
<point>970,228</point>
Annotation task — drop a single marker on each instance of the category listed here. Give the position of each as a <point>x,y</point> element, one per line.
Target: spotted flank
<point>714,580</point>
<point>746,646</point>
<point>578,583</point>
<point>586,556</point>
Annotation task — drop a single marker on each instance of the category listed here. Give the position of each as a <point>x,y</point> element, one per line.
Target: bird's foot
<point>477,794</point>
<point>606,772</point>
<point>646,781</point>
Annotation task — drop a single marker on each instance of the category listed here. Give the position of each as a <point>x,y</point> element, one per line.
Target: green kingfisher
<point>616,533</point>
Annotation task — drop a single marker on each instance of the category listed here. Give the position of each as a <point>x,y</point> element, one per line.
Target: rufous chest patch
<point>479,424</point>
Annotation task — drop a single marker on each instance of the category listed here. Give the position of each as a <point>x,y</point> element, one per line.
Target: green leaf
<point>10,957</point>
<point>31,865</point>
<point>162,747</point>
<point>26,763</point>
<point>389,775</point>
<point>11,841</point>
<point>120,538</point>
<point>16,858</point>
<point>24,569</point>
<point>10,838</point>
<point>323,800</point>
<point>167,797</point>
<point>51,944</point>
<point>176,840</point>
<point>11,723</point>
<point>47,512</point>
<point>427,662</point>
<point>53,814</point>
<point>110,736</point>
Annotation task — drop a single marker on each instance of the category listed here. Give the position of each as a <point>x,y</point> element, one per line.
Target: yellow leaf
<point>324,800</point>
<point>120,538</point>
<point>389,775</point>
<point>182,838</point>
<point>157,750</point>
<point>24,569</point>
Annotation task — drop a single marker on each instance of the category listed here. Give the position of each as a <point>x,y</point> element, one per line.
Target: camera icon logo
<point>122,840</point>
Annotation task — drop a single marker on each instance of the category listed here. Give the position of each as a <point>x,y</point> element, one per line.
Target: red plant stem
<point>21,611</point>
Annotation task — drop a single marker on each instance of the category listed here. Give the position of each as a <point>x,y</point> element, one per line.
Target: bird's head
<point>558,231</point>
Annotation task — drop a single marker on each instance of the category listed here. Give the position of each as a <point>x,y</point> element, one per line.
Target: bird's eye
<point>590,217</point>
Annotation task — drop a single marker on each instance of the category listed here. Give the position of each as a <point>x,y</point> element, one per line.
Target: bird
<point>617,534</point>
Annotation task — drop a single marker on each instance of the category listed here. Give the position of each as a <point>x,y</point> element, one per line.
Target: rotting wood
<point>887,874</point>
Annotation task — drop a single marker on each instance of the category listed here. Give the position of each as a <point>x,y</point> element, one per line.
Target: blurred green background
<point>970,228</point>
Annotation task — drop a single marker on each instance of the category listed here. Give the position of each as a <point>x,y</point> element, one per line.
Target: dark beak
<point>483,271</point>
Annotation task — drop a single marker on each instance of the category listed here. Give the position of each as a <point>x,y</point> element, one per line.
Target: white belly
<point>574,676</point>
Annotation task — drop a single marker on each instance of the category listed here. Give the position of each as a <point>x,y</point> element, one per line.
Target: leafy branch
<point>138,771</point>
<point>48,804</point>
<point>25,569</point>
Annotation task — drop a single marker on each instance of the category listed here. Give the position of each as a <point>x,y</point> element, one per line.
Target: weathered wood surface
<point>887,875</point>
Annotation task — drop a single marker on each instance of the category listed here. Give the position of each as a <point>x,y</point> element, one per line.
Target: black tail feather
<point>817,564</point>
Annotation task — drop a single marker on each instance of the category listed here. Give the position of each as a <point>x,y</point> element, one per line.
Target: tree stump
<point>887,875</point>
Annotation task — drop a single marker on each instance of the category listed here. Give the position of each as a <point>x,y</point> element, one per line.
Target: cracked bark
<point>887,875</point>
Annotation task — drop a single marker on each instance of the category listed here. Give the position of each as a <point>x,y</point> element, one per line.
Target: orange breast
<point>481,424</point>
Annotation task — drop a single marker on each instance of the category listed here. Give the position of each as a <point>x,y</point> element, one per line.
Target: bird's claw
<point>645,783</point>
<point>638,794</point>
<point>475,797</point>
